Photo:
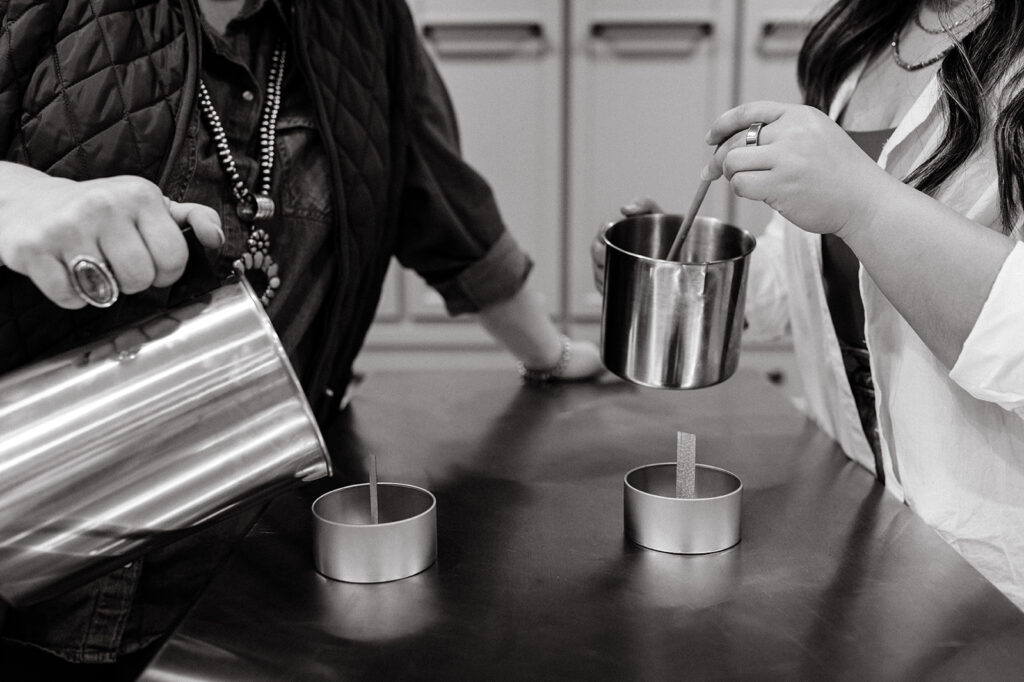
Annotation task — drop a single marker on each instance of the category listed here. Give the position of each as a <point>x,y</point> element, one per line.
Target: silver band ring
<point>93,281</point>
<point>754,134</point>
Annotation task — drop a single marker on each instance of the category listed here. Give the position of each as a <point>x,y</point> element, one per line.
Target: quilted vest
<point>96,88</point>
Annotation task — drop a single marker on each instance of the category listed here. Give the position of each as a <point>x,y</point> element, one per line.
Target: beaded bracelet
<point>537,376</point>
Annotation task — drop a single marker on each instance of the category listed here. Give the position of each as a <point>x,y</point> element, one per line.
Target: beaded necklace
<point>944,30</point>
<point>252,208</point>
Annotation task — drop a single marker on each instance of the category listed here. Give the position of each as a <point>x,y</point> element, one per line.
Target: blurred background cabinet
<point>570,108</point>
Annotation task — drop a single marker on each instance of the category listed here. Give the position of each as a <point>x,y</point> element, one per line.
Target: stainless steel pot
<point>669,324</point>
<point>144,434</point>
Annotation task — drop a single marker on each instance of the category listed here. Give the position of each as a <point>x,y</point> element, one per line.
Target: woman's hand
<point>804,166</point>
<point>47,222</point>
<point>637,206</point>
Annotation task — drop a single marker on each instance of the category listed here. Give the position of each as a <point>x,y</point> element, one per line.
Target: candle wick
<point>374,509</point>
<point>686,464</point>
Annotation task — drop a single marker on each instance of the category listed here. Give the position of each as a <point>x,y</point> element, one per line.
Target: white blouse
<point>952,441</point>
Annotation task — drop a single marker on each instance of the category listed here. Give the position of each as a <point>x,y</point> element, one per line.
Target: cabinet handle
<point>782,38</point>
<point>486,39</point>
<point>651,38</point>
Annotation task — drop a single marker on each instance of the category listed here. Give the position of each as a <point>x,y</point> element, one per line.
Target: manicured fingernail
<point>707,138</point>
<point>705,173</point>
<point>630,208</point>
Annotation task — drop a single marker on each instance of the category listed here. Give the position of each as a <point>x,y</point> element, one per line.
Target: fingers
<point>124,221</point>
<point>128,257</point>
<point>713,169</point>
<point>753,185</point>
<point>204,221</point>
<point>597,256</point>
<point>738,119</point>
<point>744,159</point>
<point>736,146</point>
<point>165,244</point>
<point>52,278</point>
<point>636,206</point>
<point>639,206</point>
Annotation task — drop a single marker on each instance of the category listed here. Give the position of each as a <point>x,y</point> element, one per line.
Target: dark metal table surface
<point>833,578</point>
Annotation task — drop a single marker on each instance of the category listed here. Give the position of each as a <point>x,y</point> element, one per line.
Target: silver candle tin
<point>656,519</point>
<point>351,548</point>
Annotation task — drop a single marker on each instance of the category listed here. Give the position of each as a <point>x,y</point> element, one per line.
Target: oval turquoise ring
<point>93,281</point>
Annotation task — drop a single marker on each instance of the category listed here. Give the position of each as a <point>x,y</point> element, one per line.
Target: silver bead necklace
<point>256,265</point>
<point>943,28</point>
<point>913,66</point>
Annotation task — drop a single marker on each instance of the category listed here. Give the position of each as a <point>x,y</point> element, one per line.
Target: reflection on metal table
<point>833,578</point>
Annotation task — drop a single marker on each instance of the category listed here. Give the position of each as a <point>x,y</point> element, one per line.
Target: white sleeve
<point>767,313</point>
<point>991,362</point>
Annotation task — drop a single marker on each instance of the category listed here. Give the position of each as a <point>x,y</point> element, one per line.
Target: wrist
<point>549,372</point>
<point>864,210</point>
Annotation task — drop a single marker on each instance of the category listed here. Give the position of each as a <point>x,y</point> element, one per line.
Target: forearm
<point>935,266</point>
<point>521,324</point>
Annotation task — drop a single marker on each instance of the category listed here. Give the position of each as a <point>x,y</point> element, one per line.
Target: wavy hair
<point>985,60</point>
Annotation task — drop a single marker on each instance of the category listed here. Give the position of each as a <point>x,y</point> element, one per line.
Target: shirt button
<point>248,96</point>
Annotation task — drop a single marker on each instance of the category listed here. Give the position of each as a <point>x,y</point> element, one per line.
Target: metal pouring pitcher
<point>668,324</point>
<point>136,438</point>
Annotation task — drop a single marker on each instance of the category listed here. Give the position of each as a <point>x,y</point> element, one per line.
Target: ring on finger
<point>93,281</point>
<point>754,134</point>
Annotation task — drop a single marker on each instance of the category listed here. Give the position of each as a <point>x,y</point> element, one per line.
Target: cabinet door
<point>773,31</point>
<point>648,78</point>
<point>501,61</point>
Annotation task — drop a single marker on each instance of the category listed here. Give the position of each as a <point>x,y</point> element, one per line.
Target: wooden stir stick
<point>684,227</point>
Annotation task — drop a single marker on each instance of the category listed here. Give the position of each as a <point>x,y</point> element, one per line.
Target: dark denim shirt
<point>236,68</point>
<point>142,601</point>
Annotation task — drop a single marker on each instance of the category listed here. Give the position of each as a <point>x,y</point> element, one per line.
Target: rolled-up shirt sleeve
<point>451,231</point>
<point>991,362</point>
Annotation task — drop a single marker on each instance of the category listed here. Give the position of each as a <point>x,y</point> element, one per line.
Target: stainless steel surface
<point>143,434</point>
<point>668,324</point>
<point>352,548</point>
<point>834,580</point>
<point>655,518</point>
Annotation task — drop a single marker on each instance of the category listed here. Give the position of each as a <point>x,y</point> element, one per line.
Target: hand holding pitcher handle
<point>638,206</point>
<point>122,227</point>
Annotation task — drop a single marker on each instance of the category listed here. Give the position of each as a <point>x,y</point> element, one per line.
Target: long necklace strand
<point>257,265</point>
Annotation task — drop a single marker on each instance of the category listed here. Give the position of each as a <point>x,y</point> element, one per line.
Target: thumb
<point>203,220</point>
<point>640,206</point>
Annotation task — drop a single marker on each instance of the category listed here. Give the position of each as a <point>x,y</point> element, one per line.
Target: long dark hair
<point>970,75</point>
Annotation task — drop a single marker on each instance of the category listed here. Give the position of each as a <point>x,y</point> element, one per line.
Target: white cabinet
<point>647,80</point>
<point>570,108</point>
<point>501,61</point>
